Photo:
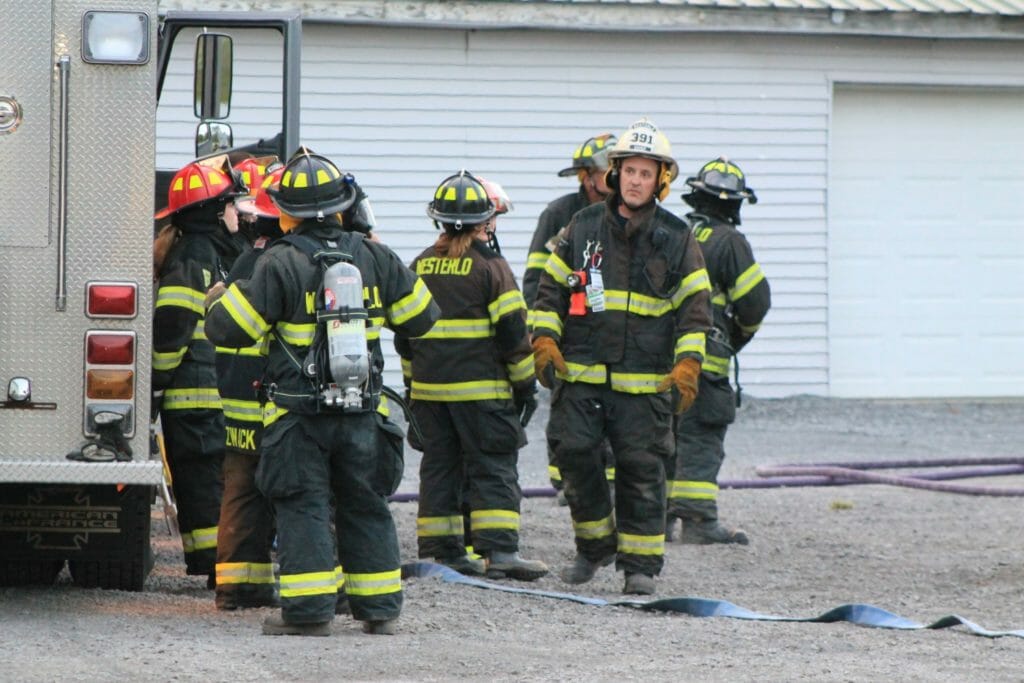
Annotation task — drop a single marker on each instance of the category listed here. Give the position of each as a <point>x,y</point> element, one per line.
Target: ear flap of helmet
<point>665,176</point>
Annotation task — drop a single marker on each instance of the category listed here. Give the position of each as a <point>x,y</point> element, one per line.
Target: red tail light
<point>111,300</point>
<point>109,348</point>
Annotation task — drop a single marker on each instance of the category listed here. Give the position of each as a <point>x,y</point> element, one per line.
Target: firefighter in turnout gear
<point>472,385</point>
<point>621,318</point>
<point>245,573</point>
<point>322,432</point>
<point>184,379</point>
<point>740,299</point>
<point>589,165</point>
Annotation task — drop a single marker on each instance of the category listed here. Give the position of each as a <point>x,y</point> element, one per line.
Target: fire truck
<point>78,138</point>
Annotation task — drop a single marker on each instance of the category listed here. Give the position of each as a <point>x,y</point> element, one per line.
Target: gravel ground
<point>920,554</point>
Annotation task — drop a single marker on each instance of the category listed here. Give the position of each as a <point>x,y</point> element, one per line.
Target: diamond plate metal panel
<point>109,237</point>
<point>25,75</point>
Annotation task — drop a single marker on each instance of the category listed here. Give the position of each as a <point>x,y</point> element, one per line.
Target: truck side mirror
<point>212,137</point>
<point>213,75</point>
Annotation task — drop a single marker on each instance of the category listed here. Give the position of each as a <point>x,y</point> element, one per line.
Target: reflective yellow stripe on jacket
<point>478,390</point>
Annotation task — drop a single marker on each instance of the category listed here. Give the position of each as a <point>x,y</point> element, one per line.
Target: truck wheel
<point>29,572</point>
<point>124,575</point>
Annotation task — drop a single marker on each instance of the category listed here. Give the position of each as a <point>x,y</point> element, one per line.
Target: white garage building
<point>884,138</point>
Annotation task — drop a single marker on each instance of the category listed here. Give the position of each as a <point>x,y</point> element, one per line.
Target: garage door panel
<point>940,305</point>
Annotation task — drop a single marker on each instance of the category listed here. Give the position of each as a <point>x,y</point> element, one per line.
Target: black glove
<point>525,401</point>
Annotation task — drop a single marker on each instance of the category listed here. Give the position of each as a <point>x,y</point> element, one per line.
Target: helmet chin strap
<point>492,241</point>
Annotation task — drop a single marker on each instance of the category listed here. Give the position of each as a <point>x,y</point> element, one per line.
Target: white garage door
<point>926,246</point>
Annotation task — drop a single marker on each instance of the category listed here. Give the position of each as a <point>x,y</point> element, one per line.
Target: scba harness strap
<point>316,365</point>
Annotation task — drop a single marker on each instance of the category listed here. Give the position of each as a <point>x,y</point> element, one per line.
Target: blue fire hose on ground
<point>859,614</point>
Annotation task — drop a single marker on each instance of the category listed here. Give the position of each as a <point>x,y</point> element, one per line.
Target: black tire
<point>29,572</point>
<point>124,575</point>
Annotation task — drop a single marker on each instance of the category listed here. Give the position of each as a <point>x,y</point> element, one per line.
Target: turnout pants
<point>639,429</point>
<point>245,573</point>
<point>305,459</point>
<point>700,450</point>
<point>194,440</point>
<point>471,445</point>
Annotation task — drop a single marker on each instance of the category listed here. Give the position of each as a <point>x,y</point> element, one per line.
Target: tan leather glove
<point>684,378</point>
<point>546,355</point>
<point>213,293</point>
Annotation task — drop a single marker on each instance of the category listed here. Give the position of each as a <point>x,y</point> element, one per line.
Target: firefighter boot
<point>380,627</point>
<point>708,531</point>
<point>342,606</point>
<point>465,564</point>
<point>510,565</point>
<point>671,524</point>
<point>638,584</point>
<point>275,625</point>
<point>582,570</point>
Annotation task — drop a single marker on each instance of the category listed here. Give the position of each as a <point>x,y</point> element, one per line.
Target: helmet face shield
<point>592,155</point>
<point>724,180</point>
<point>362,218</point>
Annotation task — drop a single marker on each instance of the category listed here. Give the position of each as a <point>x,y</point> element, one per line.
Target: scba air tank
<point>346,336</point>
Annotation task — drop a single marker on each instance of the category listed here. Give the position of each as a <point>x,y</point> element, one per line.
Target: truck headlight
<point>115,37</point>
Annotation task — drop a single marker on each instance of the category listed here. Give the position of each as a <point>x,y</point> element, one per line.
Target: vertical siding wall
<point>403,108</point>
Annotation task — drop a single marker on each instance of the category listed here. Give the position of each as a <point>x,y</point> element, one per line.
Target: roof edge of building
<point>631,17</point>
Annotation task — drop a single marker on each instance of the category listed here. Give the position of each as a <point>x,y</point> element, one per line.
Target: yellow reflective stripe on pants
<point>339,578</point>
<point>312,583</point>
<point>379,583</point>
<point>427,527</point>
<point>494,519</point>
<point>554,474</point>
<point>245,572</point>
<point>601,528</point>
<point>694,490</point>
<point>642,545</point>
<point>199,539</point>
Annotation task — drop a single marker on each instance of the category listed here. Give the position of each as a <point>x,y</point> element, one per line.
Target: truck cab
<point>78,138</point>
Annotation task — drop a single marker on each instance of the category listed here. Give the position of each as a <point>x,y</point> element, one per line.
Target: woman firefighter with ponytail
<point>471,384</point>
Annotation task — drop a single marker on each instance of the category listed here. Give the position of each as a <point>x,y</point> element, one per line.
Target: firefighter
<point>200,205</point>
<point>322,435</point>
<point>471,382</point>
<point>740,299</point>
<point>245,573</point>
<point>589,165</point>
<point>621,317</point>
